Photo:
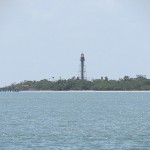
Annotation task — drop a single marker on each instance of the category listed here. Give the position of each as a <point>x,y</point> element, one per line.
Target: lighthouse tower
<point>82,59</point>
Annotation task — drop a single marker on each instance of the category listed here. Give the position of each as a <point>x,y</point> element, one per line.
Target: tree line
<point>126,83</point>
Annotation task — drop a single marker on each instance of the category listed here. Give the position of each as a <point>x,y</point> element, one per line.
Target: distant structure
<point>82,59</point>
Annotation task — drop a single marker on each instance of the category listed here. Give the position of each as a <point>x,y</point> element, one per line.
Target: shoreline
<point>84,91</point>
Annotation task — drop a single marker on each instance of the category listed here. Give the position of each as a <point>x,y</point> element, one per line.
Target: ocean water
<point>75,121</point>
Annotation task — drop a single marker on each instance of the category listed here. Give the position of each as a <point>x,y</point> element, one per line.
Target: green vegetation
<point>104,84</point>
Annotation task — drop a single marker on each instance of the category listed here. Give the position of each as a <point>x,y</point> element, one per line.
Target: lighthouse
<point>82,59</point>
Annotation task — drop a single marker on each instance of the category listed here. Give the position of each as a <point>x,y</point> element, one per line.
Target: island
<point>139,83</point>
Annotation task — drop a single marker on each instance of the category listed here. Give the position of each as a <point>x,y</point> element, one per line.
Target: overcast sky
<point>44,38</point>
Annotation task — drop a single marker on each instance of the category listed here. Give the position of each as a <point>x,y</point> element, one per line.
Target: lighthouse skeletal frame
<point>82,59</point>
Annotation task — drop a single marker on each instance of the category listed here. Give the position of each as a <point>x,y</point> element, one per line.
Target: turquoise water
<point>75,121</point>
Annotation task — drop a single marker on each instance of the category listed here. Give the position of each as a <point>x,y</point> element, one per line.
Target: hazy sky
<point>44,38</point>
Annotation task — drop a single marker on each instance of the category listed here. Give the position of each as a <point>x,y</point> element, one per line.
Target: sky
<point>41,39</point>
